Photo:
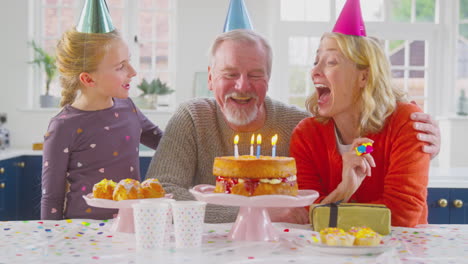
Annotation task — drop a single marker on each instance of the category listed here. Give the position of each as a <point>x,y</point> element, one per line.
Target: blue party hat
<point>95,18</point>
<point>237,17</point>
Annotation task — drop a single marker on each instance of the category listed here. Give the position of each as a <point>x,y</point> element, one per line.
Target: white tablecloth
<point>90,241</point>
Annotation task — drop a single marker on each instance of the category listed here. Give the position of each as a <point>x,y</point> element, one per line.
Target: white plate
<point>389,242</point>
<point>105,203</point>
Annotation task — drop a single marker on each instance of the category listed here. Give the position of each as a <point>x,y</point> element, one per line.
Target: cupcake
<point>365,236</point>
<point>339,239</point>
<point>152,188</point>
<point>336,237</point>
<point>104,189</point>
<point>127,189</point>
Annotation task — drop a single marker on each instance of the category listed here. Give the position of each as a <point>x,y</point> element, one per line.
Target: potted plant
<point>151,91</point>
<point>47,61</point>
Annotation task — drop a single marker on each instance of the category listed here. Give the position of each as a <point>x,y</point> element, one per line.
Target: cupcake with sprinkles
<point>127,189</point>
<point>104,189</point>
<point>333,236</point>
<point>365,236</point>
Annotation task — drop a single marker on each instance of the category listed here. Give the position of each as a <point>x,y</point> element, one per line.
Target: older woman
<point>356,103</point>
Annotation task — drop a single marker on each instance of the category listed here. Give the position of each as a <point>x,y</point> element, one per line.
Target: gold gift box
<point>347,215</point>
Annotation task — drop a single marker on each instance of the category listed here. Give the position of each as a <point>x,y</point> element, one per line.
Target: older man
<point>204,128</point>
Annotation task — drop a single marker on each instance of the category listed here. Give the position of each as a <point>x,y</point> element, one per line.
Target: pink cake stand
<point>124,220</point>
<point>253,221</point>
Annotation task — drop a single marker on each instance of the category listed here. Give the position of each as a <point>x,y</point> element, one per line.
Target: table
<point>91,241</point>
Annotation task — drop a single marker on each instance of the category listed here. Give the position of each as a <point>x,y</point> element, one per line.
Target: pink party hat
<point>350,20</point>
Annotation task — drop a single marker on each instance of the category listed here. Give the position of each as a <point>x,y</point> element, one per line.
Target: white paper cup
<point>169,226</point>
<point>150,224</point>
<point>189,217</point>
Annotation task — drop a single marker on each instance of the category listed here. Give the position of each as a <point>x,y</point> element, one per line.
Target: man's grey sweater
<point>198,132</point>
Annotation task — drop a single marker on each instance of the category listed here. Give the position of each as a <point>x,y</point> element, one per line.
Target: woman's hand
<point>355,170</point>
<point>295,215</point>
<point>361,164</point>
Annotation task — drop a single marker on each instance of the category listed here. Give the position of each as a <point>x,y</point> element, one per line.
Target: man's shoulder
<point>195,109</point>
<point>199,104</point>
<point>287,110</point>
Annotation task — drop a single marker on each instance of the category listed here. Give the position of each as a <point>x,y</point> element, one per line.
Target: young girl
<point>97,133</point>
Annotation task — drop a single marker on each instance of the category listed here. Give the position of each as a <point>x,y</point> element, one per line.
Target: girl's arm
<point>150,133</point>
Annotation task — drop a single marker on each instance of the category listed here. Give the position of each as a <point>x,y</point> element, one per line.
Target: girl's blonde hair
<point>79,52</point>
<point>378,98</point>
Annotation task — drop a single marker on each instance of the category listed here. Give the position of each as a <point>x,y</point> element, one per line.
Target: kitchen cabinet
<point>29,200</point>
<point>447,205</point>
<point>9,175</point>
<point>20,186</point>
<point>20,193</point>
<point>144,164</point>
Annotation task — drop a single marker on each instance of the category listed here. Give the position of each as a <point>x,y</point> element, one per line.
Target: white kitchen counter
<point>438,177</point>
<point>448,177</point>
<point>11,153</point>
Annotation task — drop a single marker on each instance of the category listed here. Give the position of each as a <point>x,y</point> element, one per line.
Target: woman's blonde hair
<point>378,98</point>
<point>79,52</point>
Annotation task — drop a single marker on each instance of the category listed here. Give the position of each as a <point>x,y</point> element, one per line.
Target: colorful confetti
<point>79,241</point>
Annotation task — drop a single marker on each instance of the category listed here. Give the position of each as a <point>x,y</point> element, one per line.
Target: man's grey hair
<point>243,35</point>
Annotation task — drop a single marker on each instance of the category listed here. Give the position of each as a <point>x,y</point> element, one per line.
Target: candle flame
<point>274,139</point>
<point>236,139</point>
<point>259,139</point>
<point>252,139</point>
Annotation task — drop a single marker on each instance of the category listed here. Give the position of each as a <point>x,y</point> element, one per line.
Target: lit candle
<point>273,143</point>
<point>236,149</point>
<point>252,140</point>
<point>259,142</point>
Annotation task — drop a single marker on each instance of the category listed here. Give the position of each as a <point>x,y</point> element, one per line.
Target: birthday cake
<point>251,176</point>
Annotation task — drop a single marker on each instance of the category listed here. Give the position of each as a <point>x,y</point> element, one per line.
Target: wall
<point>14,56</point>
<point>455,143</point>
<point>197,24</point>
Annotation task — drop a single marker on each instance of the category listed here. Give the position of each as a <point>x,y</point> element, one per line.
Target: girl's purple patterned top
<point>83,147</point>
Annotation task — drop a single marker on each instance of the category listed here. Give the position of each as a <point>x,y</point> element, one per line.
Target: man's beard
<point>240,116</point>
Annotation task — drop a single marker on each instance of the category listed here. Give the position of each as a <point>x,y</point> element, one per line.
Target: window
<point>407,28</point>
<point>462,50</point>
<point>146,25</point>
<point>301,57</point>
<point>320,10</point>
<point>408,67</point>
<point>305,10</point>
